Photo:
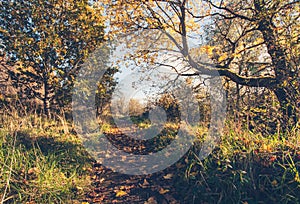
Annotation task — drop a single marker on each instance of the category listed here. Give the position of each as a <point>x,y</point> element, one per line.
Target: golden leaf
<point>163,191</point>
<point>120,193</point>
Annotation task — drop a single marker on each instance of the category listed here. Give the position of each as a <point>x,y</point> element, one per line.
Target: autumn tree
<point>168,102</point>
<point>135,108</point>
<point>266,32</point>
<point>47,41</point>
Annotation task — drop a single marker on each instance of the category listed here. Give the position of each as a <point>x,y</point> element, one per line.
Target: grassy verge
<point>41,162</point>
<point>247,167</point>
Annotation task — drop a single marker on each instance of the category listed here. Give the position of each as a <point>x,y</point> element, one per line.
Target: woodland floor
<point>113,187</point>
<point>244,168</point>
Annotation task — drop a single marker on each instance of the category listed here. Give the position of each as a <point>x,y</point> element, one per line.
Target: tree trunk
<point>46,99</point>
<point>288,107</point>
<point>286,92</point>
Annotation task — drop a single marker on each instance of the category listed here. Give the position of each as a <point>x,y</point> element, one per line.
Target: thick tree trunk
<point>289,107</point>
<point>287,94</point>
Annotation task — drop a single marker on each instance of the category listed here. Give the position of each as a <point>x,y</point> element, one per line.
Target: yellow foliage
<point>222,57</point>
<point>207,49</point>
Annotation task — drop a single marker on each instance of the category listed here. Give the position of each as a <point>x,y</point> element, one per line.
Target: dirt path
<point>113,187</point>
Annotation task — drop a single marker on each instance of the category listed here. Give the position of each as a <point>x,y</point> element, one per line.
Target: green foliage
<point>47,41</point>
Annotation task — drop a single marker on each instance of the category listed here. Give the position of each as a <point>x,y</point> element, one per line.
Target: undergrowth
<point>41,161</point>
<point>246,167</point>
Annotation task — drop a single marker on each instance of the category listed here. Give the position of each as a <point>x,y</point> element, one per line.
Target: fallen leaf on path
<point>163,191</point>
<point>168,176</point>
<point>120,193</point>
<point>145,182</point>
<point>151,200</point>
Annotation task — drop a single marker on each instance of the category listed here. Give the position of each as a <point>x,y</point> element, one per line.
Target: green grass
<point>247,167</point>
<point>41,162</point>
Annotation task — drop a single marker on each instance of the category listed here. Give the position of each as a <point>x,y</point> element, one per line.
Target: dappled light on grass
<point>47,165</point>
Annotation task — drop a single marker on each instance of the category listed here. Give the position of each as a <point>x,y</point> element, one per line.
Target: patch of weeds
<point>246,167</point>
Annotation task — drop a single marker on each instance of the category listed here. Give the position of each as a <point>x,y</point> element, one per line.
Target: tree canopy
<point>46,41</point>
<point>253,43</point>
